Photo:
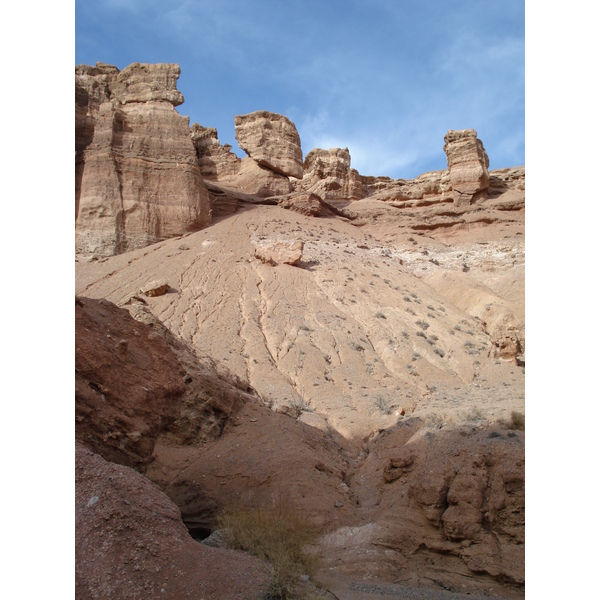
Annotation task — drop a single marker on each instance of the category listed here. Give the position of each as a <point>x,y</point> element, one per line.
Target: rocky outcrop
<point>260,181</point>
<point>137,174</point>
<point>271,140</point>
<point>468,164</point>
<point>216,161</point>
<point>445,506</point>
<point>210,398</point>
<point>127,383</point>
<point>328,174</point>
<point>130,542</point>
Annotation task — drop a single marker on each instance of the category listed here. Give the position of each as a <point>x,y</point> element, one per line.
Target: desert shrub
<point>279,535</point>
<point>384,405</point>
<point>380,315</point>
<point>517,420</point>
<point>300,405</point>
<point>422,324</point>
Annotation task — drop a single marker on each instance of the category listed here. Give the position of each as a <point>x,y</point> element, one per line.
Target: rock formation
<point>127,383</point>
<point>137,174</point>
<point>327,173</point>
<point>216,161</point>
<point>377,385</point>
<point>468,164</point>
<point>130,542</point>
<point>271,140</point>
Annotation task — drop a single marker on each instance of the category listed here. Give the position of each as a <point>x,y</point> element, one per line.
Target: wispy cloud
<point>386,80</point>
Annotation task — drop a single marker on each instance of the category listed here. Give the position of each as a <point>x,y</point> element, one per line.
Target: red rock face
<point>130,542</point>
<point>137,175</point>
<point>127,384</point>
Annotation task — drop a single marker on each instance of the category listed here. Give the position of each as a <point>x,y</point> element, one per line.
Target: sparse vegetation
<point>516,421</point>
<point>380,315</point>
<point>422,324</point>
<point>300,405</point>
<point>279,535</point>
<point>384,405</point>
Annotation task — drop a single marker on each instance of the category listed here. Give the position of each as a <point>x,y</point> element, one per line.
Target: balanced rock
<point>327,173</point>
<point>137,175</point>
<point>468,164</point>
<point>271,140</point>
<point>260,181</point>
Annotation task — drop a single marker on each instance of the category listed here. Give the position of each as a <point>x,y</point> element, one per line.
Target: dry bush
<point>279,535</point>
<point>517,420</point>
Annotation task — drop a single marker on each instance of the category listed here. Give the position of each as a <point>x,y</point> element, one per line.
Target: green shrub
<point>279,535</point>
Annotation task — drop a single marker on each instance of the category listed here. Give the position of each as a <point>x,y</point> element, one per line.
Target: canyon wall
<point>137,179</point>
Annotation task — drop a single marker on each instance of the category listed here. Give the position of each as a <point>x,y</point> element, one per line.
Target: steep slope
<point>365,330</point>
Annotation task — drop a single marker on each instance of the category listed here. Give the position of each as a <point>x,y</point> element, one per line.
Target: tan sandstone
<point>271,140</point>
<point>137,175</point>
<point>468,164</point>
<point>328,174</point>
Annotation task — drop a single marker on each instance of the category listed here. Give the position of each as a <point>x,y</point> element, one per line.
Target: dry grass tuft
<point>279,535</point>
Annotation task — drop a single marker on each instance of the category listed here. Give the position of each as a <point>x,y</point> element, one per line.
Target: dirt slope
<point>375,324</point>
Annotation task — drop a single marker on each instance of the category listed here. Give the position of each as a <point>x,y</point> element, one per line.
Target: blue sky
<point>385,78</point>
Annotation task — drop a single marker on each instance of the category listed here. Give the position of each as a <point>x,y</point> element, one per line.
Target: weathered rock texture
<point>210,397</point>
<point>276,252</point>
<point>444,505</point>
<point>468,164</point>
<point>216,161</point>
<point>328,174</point>
<point>127,383</point>
<point>271,140</point>
<point>130,543</point>
<point>137,174</point>
<point>261,181</point>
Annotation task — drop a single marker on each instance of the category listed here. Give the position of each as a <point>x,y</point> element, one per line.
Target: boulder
<point>304,203</point>
<point>468,164</point>
<point>137,175</point>
<point>328,174</point>
<point>271,140</point>
<point>278,252</point>
<point>158,287</point>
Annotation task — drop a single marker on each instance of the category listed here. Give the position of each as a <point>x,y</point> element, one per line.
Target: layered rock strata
<point>216,161</point>
<point>271,140</point>
<point>468,164</point>
<point>137,174</point>
<point>328,174</point>
<point>127,383</point>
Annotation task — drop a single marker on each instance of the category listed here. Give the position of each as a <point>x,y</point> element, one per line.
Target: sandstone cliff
<point>351,344</point>
<point>137,175</point>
